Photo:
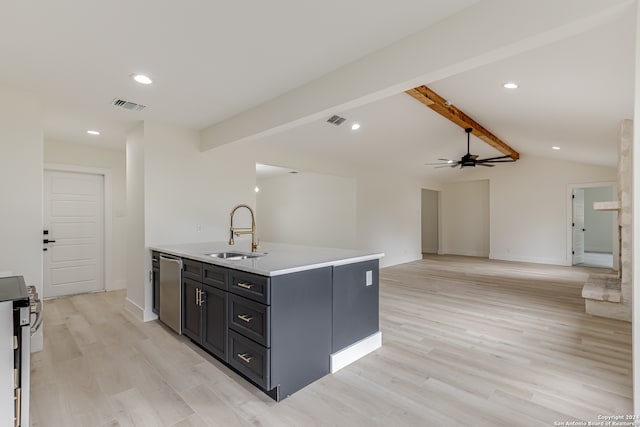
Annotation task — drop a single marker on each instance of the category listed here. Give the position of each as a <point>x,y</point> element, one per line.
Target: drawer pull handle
<point>245,357</point>
<point>245,317</point>
<point>245,285</point>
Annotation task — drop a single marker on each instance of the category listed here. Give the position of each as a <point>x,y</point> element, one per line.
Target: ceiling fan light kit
<point>471,160</point>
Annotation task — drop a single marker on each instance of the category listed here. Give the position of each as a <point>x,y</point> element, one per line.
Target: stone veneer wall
<point>621,310</point>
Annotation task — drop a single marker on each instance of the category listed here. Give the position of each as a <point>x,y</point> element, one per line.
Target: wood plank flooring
<point>466,341</point>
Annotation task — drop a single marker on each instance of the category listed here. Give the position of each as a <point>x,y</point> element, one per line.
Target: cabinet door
<point>214,337</point>
<point>191,310</point>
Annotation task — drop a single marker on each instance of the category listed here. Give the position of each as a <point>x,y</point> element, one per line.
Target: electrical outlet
<point>369,278</point>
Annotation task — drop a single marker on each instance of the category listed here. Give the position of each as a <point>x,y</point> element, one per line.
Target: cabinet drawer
<point>192,269</point>
<point>155,259</point>
<point>250,318</point>
<point>250,358</point>
<point>250,286</point>
<point>214,276</point>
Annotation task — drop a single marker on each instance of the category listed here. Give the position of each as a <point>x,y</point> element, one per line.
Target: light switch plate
<point>369,279</point>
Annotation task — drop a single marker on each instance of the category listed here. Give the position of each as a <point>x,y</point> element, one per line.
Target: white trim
<point>138,312</point>
<point>474,253</point>
<point>535,260</point>
<point>119,284</point>
<point>355,351</point>
<point>108,212</point>
<point>569,215</point>
<point>134,309</point>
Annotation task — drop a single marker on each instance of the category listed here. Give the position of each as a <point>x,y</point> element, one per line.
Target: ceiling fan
<point>471,159</point>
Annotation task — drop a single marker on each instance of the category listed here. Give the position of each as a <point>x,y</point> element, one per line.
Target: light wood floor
<point>466,341</point>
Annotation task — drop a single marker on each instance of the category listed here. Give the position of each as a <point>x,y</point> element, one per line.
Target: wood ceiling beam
<point>438,104</point>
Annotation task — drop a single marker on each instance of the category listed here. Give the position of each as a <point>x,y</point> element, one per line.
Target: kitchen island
<point>282,317</point>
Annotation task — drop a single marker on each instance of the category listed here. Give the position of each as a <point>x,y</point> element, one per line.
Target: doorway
<point>593,232</point>
<point>74,220</point>
<point>430,221</point>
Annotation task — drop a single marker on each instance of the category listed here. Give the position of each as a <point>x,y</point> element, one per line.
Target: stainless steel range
<point>20,316</point>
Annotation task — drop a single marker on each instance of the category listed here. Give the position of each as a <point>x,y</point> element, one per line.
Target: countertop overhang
<point>279,258</point>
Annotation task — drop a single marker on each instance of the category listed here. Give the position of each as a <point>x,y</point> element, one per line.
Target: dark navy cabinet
<point>279,331</point>
<point>355,303</point>
<point>204,307</point>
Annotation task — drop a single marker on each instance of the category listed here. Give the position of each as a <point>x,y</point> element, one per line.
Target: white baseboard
<point>134,309</point>
<point>355,351</point>
<point>117,285</point>
<point>535,260</point>
<point>461,252</point>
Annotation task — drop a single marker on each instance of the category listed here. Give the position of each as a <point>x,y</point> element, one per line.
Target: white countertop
<point>280,258</point>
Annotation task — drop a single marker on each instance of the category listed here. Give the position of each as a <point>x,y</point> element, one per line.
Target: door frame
<point>108,216</point>
<point>569,216</point>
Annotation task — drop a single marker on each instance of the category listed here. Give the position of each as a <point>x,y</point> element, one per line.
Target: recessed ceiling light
<point>93,132</point>
<point>355,126</point>
<point>142,79</point>
<point>257,189</point>
<point>510,85</point>
<point>555,148</point>
<point>449,161</point>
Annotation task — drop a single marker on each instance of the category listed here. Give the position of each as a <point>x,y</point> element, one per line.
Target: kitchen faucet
<point>239,231</point>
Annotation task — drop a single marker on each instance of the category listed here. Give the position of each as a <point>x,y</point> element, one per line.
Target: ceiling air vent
<point>127,105</point>
<point>336,120</point>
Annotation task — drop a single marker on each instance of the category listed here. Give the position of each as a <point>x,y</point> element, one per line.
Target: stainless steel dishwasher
<point>170,292</point>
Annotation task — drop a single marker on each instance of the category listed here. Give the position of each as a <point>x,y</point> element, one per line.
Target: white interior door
<point>578,226</point>
<point>74,215</point>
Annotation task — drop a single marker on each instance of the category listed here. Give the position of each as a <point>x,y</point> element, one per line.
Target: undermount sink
<point>234,255</point>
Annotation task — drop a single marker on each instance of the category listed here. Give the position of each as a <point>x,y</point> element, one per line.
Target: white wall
<point>113,161</point>
<point>21,189</point>
<point>529,214</point>
<point>430,221</point>
<point>177,194</point>
<point>388,216</point>
<point>189,194</point>
<point>598,236</point>
<point>465,219</point>
<point>387,201</point>
<point>307,209</point>
<point>137,264</point>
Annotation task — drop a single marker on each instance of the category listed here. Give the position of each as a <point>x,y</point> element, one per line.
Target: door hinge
<point>573,252</point>
<point>573,196</point>
<point>573,224</point>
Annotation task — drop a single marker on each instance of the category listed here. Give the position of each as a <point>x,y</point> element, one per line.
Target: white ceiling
<point>573,94</point>
<point>209,59</point>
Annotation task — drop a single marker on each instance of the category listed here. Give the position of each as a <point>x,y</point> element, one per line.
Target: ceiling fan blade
<point>440,167</point>
<point>497,158</point>
<point>437,164</point>
<point>495,161</point>
<point>489,165</point>
<point>447,160</point>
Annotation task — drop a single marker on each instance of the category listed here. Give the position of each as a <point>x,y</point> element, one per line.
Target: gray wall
<point>429,221</point>
<point>598,236</point>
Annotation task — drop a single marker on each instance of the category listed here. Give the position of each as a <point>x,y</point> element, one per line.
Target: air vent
<point>127,105</point>
<point>336,120</point>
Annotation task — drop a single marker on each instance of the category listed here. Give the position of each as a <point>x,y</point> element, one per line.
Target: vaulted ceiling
<point>211,60</point>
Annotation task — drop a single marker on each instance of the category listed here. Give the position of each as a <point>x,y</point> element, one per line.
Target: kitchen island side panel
<point>301,328</point>
<point>355,303</point>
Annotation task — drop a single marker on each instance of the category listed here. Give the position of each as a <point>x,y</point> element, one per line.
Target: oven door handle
<point>38,321</point>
